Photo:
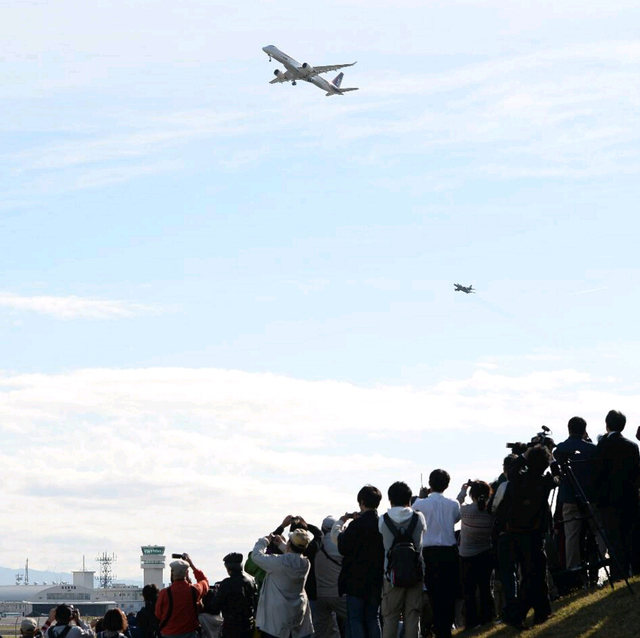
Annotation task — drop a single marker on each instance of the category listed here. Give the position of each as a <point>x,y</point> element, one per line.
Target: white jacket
<point>283,607</point>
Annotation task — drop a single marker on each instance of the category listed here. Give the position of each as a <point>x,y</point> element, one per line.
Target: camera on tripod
<point>541,438</point>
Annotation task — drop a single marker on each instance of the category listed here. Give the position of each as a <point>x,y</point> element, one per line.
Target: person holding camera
<point>527,518</point>
<point>361,576</point>
<point>477,557</point>
<point>177,605</point>
<point>64,615</point>
<point>440,551</point>
<point>580,453</point>
<point>283,606</point>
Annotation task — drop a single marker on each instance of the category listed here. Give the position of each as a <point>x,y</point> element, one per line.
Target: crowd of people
<point>410,572</point>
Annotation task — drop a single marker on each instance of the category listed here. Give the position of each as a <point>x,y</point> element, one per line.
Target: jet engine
<point>307,68</point>
<point>277,73</point>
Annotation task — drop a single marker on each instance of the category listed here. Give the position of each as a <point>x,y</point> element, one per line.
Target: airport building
<point>91,601</point>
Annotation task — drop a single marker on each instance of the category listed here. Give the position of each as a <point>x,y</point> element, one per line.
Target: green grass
<point>606,613</point>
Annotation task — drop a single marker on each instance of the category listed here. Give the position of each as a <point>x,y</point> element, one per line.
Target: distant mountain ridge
<point>8,577</point>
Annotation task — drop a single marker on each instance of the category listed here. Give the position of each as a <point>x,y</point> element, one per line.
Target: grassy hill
<point>606,613</point>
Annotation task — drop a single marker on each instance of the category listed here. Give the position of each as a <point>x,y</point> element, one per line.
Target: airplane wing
<point>331,67</point>
<point>281,78</point>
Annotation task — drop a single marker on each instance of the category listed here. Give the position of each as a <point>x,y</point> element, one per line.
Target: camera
<point>181,556</point>
<point>541,438</point>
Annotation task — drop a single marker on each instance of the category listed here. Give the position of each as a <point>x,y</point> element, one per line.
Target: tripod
<point>587,513</point>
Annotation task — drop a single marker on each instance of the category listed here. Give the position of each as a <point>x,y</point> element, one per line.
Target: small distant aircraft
<point>296,71</point>
<point>465,289</point>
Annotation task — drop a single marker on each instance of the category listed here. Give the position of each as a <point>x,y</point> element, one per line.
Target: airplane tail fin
<point>336,85</point>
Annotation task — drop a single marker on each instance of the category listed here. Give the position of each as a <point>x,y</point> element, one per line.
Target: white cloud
<point>205,460</point>
<point>73,307</point>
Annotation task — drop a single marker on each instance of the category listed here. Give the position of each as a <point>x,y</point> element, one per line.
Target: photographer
<point>579,453</point>
<point>527,518</point>
<point>176,607</point>
<point>477,557</point>
<point>64,615</point>
<point>360,543</point>
<point>283,606</point>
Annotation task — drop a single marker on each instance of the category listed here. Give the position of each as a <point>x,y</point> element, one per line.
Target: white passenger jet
<point>296,71</point>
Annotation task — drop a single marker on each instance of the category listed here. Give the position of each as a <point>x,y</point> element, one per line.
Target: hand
<point>346,516</point>
<point>465,487</point>
<point>75,616</point>
<point>302,521</point>
<point>638,434</point>
<point>277,539</point>
<point>52,615</point>
<point>287,520</point>
<point>424,492</point>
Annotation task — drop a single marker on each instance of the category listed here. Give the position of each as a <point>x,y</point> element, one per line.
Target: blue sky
<point>219,295</point>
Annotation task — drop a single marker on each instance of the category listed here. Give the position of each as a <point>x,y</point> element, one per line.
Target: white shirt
<point>441,514</point>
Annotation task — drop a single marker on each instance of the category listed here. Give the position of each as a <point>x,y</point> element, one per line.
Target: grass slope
<point>606,613</point>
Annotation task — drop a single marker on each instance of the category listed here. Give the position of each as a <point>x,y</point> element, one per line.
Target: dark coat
<point>236,599</point>
<point>619,471</point>
<point>146,621</point>
<point>363,565</point>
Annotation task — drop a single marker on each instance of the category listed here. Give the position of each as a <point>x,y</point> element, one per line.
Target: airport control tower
<point>152,563</point>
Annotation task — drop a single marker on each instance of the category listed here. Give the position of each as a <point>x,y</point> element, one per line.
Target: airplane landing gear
<point>294,83</point>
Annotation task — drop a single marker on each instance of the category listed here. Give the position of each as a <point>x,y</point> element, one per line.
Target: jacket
<point>184,615</point>
<point>236,599</point>
<point>619,470</point>
<point>363,564</point>
<point>283,606</point>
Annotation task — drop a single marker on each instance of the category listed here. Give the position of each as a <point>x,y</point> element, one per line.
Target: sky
<point>222,301</point>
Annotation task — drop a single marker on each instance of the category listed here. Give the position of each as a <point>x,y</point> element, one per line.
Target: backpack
<point>404,561</point>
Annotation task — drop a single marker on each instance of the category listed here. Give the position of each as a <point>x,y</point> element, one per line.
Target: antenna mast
<point>26,572</point>
<point>106,572</point>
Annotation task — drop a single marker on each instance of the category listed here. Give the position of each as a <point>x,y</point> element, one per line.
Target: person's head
<point>233,562</point>
<point>150,593</point>
<point>179,569</point>
<point>538,459</point>
<point>328,523</point>
<point>63,614</point>
<point>299,540</point>
<point>115,620</point>
<point>439,480</point>
<point>399,494</point>
<point>615,421</point>
<point>28,628</point>
<point>508,461</point>
<point>577,426</point>
<point>369,497</point>
<point>480,493</point>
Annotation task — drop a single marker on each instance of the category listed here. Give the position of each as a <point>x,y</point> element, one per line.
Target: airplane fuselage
<point>297,71</point>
